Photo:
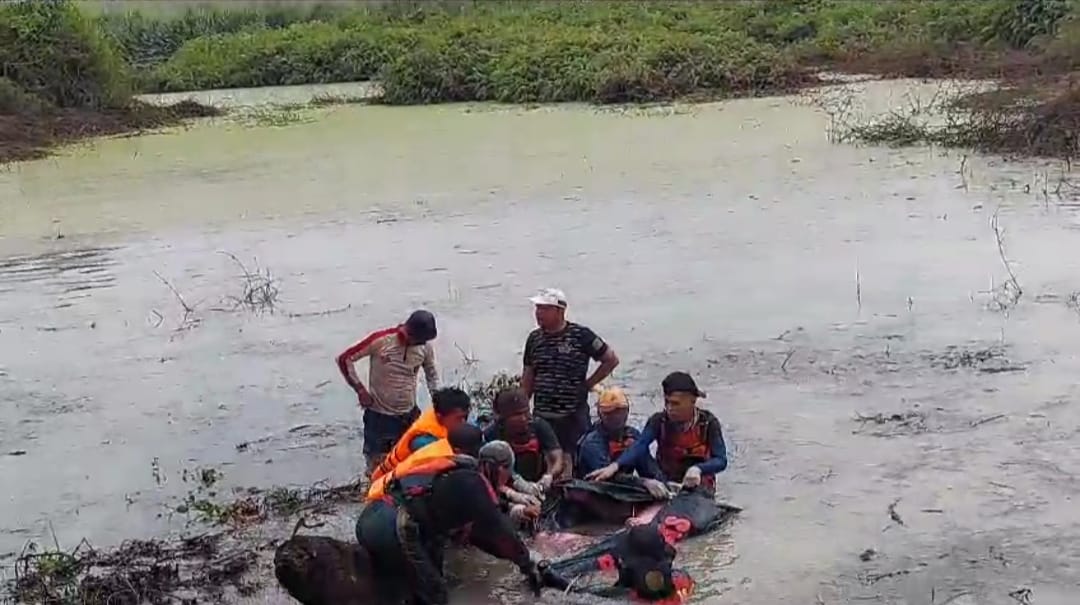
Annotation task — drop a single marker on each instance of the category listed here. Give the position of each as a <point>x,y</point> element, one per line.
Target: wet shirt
<point>393,368</point>
<point>561,365</point>
<point>717,450</point>
<point>464,498</point>
<point>530,469</point>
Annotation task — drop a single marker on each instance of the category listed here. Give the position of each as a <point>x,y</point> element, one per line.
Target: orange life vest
<point>528,458</point>
<point>616,447</point>
<point>431,451</point>
<point>677,451</point>
<point>426,424</point>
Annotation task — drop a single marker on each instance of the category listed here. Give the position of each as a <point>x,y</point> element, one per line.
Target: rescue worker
<point>405,529</point>
<point>610,437</point>
<point>690,443</point>
<point>538,457</point>
<point>395,356</point>
<point>449,407</point>
<point>463,439</point>
<point>522,507</point>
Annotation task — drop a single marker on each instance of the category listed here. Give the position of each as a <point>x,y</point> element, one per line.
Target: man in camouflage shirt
<point>556,370</point>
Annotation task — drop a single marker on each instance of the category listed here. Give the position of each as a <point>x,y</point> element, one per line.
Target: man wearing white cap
<point>556,370</point>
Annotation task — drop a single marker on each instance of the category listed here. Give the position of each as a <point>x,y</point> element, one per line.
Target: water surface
<point>803,282</point>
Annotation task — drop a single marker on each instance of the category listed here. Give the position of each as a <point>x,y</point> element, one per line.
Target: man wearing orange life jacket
<point>405,529</point>
<point>690,443</point>
<point>463,439</point>
<point>449,408</point>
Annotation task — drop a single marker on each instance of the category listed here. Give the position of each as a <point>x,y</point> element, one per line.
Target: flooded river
<point>810,286</point>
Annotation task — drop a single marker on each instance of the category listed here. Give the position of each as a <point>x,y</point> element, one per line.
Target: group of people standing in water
<point>436,476</point>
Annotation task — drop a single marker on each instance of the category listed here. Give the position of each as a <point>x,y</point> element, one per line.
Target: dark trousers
<point>403,560</point>
<point>382,432</point>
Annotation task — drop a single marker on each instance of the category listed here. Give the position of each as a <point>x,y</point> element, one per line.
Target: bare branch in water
<point>260,291</point>
<point>189,320</point>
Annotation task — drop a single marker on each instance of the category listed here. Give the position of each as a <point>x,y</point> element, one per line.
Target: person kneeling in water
<point>405,529</point>
<point>538,456</point>
<point>522,507</point>
<point>690,444</point>
<point>610,437</point>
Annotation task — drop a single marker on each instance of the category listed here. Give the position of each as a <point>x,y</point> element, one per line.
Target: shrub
<point>299,54</point>
<point>52,51</point>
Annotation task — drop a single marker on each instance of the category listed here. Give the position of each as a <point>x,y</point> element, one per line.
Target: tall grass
<point>590,51</point>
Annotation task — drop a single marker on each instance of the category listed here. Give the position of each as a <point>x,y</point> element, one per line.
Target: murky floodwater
<point>804,282</point>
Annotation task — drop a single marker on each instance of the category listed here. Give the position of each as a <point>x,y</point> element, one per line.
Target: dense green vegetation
<point>580,51</point>
<point>55,58</point>
<point>61,79</point>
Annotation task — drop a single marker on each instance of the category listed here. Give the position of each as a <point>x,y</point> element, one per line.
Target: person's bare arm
<point>528,367</point>
<point>528,379</point>
<point>549,444</point>
<point>608,362</point>
<point>555,462</point>
<point>431,371</point>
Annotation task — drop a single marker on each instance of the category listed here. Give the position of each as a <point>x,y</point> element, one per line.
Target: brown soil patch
<point>29,136</point>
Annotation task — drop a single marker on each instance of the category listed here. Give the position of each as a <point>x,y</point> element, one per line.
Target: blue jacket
<point>632,457</point>
<point>594,454</point>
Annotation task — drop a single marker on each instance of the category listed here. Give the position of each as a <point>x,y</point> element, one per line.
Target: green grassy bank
<point>61,79</point>
<point>516,51</point>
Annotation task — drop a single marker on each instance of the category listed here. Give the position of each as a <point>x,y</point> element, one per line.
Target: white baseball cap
<point>550,297</point>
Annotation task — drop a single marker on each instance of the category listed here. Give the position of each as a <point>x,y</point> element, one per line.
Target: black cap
<point>421,326</point>
<point>680,382</point>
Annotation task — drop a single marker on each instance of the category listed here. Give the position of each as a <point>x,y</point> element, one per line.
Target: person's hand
<point>534,577</point>
<point>605,473</point>
<point>692,478</point>
<point>516,497</point>
<point>529,488</point>
<point>545,482</point>
<point>523,513</point>
<point>364,398</point>
<point>656,489</point>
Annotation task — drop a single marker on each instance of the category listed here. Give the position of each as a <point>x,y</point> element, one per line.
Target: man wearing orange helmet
<point>610,437</point>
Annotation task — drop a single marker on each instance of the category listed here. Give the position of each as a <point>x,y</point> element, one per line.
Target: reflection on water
<point>812,287</point>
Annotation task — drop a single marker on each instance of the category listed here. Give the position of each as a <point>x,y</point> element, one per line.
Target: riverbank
<point>65,81</point>
<point>521,52</point>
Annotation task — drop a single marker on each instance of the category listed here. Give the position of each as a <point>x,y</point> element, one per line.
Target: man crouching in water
<point>690,443</point>
<point>523,507</point>
<point>406,528</point>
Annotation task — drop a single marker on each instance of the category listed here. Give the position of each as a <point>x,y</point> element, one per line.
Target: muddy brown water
<point>804,283</point>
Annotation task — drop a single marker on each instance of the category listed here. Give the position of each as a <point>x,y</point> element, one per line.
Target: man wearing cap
<point>556,370</point>
<point>395,357</point>
<point>521,506</point>
<point>611,436</point>
<point>690,444</point>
